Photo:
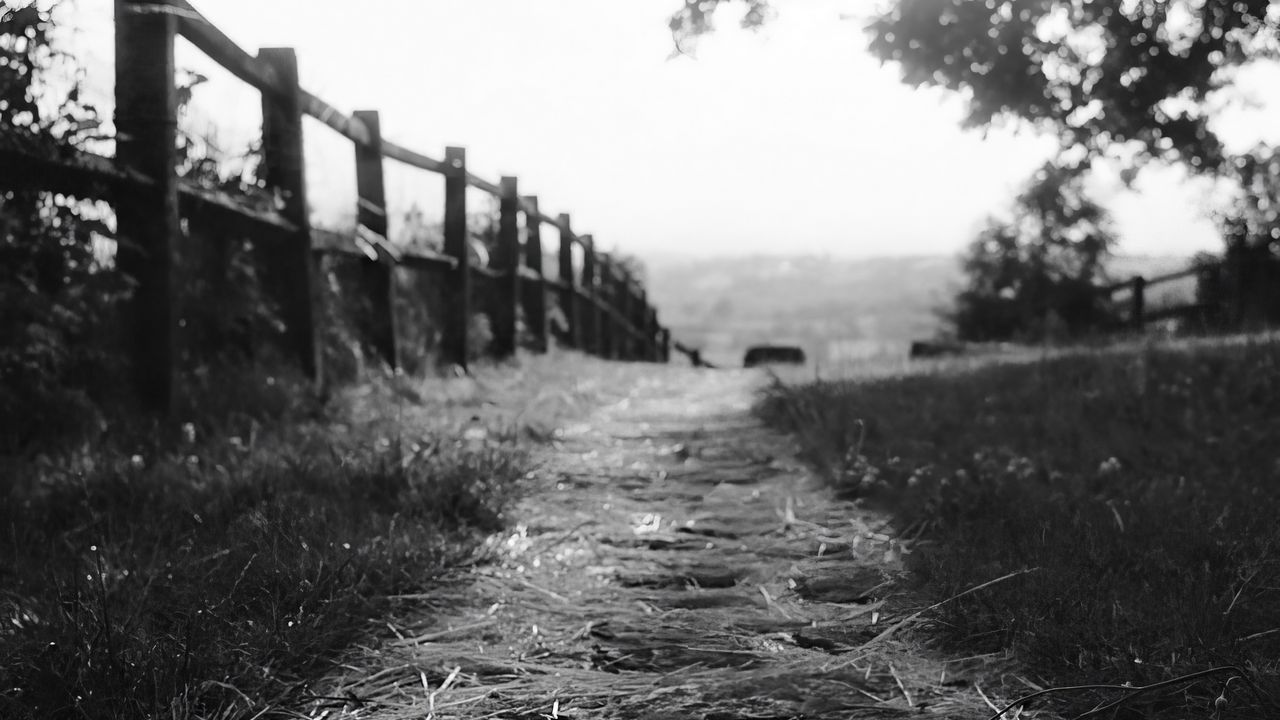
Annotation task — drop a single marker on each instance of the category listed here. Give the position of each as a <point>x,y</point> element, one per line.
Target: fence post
<point>625,310</point>
<point>569,283</point>
<point>292,270</point>
<point>371,213</point>
<point>457,285</point>
<point>649,328</point>
<point>655,336</point>
<point>606,290</point>
<point>535,292</point>
<point>664,345</point>
<point>640,319</point>
<point>590,311</point>
<point>147,217</point>
<point>1138,302</point>
<point>507,261</point>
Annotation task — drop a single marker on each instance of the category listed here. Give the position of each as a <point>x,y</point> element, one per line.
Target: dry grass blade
<point>902,688</point>
<point>894,628</point>
<point>450,632</point>
<point>1130,691</point>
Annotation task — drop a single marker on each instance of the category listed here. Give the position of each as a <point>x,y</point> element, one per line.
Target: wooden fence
<point>606,311</point>
<point>1136,290</point>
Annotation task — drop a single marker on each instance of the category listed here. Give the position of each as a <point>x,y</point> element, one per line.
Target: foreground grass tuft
<point>1143,485</point>
<point>189,577</point>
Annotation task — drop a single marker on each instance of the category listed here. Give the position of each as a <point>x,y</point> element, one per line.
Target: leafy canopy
<point>1138,76</point>
<point>1099,72</point>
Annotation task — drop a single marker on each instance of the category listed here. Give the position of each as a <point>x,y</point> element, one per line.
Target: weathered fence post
<point>642,341</point>
<point>292,270</point>
<point>507,262</point>
<point>569,283</point>
<point>606,290</point>
<point>624,309</point>
<point>590,310</point>
<point>535,292</point>
<point>649,327</point>
<point>664,345</point>
<point>655,336</point>
<point>639,315</point>
<point>147,217</point>
<point>1138,302</point>
<point>457,284</point>
<point>586,296</point>
<point>371,214</point>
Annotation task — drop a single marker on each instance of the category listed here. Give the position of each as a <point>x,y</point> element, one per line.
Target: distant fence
<point>606,311</point>
<point>1238,291</point>
<point>1138,289</point>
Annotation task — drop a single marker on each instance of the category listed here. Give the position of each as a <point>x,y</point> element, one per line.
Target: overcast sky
<point>788,140</point>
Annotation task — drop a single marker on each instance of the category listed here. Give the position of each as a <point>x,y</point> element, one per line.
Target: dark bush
<point>1033,277</point>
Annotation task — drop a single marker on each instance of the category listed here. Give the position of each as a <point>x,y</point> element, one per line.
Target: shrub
<point>1033,276</point>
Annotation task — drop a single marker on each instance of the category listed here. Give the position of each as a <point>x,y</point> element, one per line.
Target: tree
<point>1134,81</point>
<point>1104,75</point>
<point>1243,290</point>
<point>1032,276</point>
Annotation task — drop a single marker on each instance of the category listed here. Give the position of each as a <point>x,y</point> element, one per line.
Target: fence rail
<point>606,311</point>
<point>1138,287</point>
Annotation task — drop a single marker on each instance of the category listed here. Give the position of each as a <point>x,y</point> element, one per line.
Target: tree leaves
<point>1099,73</point>
<point>696,19</point>
<point>1102,75</point>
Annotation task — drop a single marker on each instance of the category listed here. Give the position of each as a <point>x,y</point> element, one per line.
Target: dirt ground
<point>671,558</point>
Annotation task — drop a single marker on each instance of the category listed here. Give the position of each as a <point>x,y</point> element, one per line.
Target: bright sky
<point>789,140</point>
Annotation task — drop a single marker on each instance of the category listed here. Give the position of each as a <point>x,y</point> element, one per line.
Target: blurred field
<point>1141,482</point>
<point>837,309</point>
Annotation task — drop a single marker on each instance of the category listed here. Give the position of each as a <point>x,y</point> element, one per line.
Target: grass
<point>210,568</point>
<point>1141,484</point>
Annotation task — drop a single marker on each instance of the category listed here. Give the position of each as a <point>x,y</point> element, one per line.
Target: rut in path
<point>672,559</point>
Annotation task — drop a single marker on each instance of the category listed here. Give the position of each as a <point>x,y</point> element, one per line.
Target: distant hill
<point>835,309</point>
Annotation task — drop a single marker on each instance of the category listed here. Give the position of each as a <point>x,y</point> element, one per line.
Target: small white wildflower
<point>1109,466</point>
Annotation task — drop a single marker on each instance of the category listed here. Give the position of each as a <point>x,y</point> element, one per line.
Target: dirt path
<point>673,559</point>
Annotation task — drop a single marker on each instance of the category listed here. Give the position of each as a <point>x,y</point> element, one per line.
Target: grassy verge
<point>210,568</point>
<point>1143,486</point>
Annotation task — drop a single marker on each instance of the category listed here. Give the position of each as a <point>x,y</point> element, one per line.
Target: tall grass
<point>210,569</point>
<point>1144,486</point>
